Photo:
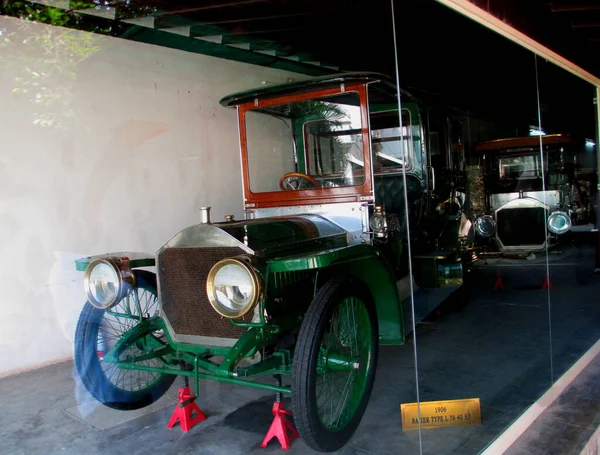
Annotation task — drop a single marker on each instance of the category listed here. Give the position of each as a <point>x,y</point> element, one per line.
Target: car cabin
<point>339,146</point>
<point>516,164</point>
<point>330,140</point>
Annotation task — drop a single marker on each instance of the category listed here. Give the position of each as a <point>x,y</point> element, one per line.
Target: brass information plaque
<point>446,413</point>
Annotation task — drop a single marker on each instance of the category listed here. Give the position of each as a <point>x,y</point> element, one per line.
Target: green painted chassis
<point>360,261</point>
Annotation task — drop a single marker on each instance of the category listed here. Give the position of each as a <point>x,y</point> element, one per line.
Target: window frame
<point>359,193</point>
<point>410,153</point>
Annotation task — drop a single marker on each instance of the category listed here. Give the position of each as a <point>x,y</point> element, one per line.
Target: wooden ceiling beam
<point>209,7</point>
<point>585,24</point>
<point>198,30</point>
<point>263,18</point>
<point>495,24</point>
<point>242,33</point>
<point>569,7</point>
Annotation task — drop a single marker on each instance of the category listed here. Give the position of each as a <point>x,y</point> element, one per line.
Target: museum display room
<point>263,225</point>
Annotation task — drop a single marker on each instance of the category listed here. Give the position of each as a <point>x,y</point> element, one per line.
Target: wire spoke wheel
<point>114,324</point>
<point>349,336</point>
<point>334,364</point>
<point>98,331</point>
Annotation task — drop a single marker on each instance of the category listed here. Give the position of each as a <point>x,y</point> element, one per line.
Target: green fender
<point>364,263</point>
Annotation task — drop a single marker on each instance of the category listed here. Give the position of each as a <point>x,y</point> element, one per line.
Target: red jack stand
<point>101,347</point>
<point>183,410</point>
<point>499,283</point>
<point>281,428</point>
<point>547,283</point>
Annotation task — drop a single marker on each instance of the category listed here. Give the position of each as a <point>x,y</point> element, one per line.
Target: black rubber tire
<point>88,364</point>
<point>304,374</point>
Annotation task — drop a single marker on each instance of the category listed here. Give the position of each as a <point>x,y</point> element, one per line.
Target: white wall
<point>113,146</point>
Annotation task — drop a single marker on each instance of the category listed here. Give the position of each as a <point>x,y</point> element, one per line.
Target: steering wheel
<point>297,181</point>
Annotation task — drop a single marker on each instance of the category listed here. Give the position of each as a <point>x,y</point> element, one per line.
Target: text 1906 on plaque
<point>441,413</point>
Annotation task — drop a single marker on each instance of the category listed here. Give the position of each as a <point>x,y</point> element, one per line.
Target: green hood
<point>266,237</point>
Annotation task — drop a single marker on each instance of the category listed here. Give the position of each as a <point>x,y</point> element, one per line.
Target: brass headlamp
<point>234,287</point>
<point>107,280</point>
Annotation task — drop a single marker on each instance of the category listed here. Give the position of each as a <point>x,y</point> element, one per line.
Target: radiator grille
<point>521,226</point>
<point>182,274</point>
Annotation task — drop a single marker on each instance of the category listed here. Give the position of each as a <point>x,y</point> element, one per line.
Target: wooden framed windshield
<point>272,142</point>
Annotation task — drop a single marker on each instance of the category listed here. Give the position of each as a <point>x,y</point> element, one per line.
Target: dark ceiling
<point>569,27</point>
<point>316,27</point>
<point>443,56</point>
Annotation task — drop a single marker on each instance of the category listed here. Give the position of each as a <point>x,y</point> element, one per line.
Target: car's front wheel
<point>334,364</point>
<point>98,331</point>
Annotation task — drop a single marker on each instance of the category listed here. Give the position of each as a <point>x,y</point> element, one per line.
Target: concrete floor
<point>497,348</point>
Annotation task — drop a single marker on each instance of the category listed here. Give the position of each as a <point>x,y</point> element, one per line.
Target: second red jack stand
<point>547,283</point>
<point>281,428</point>
<point>184,409</point>
<point>499,283</point>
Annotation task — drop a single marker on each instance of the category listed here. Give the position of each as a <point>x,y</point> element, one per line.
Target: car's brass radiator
<point>182,274</point>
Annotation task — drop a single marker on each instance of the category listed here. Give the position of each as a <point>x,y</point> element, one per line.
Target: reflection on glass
<point>519,167</point>
<point>391,144</point>
<point>334,146</point>
<point>525,185</point>
<point>490,338</point>
<point>574,316</point>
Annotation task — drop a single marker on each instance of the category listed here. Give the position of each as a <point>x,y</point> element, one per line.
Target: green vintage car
<point>311,282</point>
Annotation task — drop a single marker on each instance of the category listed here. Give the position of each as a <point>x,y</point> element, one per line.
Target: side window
<point>333,149</point>
<point>392,144</point>
<point>334,143</point>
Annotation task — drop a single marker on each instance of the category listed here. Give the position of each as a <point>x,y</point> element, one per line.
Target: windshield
<point>328,128</point>
<point>523,167</point>
<point>519,167</point>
